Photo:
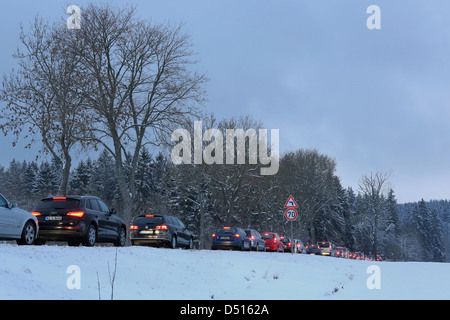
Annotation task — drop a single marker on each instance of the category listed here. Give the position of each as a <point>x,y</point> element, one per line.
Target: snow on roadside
<point>40,272</point>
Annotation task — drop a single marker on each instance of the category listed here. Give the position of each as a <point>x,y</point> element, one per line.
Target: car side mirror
<point>12,205</point>
<point>112,211</point>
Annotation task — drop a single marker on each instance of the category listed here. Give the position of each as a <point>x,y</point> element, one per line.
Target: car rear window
<point>324,244</point>
<point>149,219</point>
<point>227,230</point>
<point>58,204</point>
<point>267,236</point>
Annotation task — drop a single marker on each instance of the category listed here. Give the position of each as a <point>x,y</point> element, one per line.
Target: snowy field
<point>47,272</point>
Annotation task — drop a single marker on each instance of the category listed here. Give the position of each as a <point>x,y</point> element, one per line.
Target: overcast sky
<point>371,99</point>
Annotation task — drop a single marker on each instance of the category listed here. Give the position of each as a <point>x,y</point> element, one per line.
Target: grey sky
<point>371,99</point>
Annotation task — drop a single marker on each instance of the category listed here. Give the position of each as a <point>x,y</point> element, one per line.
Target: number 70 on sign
<point>291,214</point>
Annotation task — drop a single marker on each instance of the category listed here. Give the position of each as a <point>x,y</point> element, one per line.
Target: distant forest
<point>208,196</point>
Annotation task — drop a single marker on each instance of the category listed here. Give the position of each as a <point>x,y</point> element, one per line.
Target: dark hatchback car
<point>79,219</point>
<point>256,241</point>
<point>313,249</point>
<point>158,230</point>
<point>230,238</point>
<point>288,244</point>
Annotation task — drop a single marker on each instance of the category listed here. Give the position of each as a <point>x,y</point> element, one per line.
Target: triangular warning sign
<point>290,203</point>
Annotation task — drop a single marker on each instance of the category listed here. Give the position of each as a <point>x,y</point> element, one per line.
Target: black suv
<point>79,219</point>
<point>159,229</point>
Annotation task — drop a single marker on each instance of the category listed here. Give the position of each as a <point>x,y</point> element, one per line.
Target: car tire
<point>91,236</point>
<point>28,236</point>
<point>173,242</point>
<point>122,238</point>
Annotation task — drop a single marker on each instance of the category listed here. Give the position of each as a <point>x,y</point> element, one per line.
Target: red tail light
<point>252,237</point>
<point>289,244</point>
<point>78,214</point>
<point>236,235</point>
<point>59,198</point>
<point>134,227</point>
<point>162,227</point>
<point>36,214</point>
<point>214,235</point>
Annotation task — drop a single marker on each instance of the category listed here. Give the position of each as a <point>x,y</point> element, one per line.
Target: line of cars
<point>87,220</point>
<point>326,248</point>
<point>250,239</point>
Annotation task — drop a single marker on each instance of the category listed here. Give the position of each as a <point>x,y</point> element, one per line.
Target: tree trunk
<point>65,175</point>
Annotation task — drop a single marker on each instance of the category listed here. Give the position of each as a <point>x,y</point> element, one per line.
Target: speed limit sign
<point>291,214</point>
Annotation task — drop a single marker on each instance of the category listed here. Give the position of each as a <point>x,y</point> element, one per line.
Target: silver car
<point>17,224</point>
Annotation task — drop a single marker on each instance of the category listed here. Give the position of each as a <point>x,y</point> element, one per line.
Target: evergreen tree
<point>81,178</point>
<point>2,178</point>
<point>430,233</point>
<point>349,210</point>
<point>145,181</point>
<point>437,245</point>
<point>12,185</point>
<point>29,183</point>
<point>47,181</point>
<point>391,244</point>
<point>102,181</point>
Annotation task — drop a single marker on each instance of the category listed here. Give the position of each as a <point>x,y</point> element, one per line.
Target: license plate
<point>53,218</point>
<point>147,232</point>
<point>225,238</point>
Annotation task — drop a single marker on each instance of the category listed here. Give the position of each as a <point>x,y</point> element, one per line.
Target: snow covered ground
<point>150,273</point>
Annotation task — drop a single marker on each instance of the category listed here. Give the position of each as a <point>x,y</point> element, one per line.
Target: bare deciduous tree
<point>42,100</point>
<point>375,187</point>
<point>142,85</point>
